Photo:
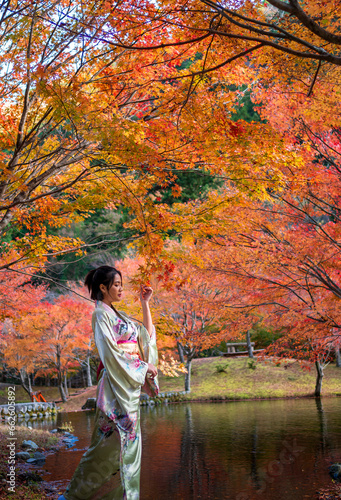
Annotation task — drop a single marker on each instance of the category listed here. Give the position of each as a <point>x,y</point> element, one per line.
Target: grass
<point>241,378</point>
<point>44,439</point>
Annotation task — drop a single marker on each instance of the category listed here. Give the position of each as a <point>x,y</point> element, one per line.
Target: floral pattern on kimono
<point>123,374</point>
<point>106,426</point>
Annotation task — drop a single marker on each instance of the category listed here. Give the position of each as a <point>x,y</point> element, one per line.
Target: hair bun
<point>103,275</point>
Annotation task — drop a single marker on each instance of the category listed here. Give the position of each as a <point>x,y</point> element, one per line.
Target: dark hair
<point>103,275</point>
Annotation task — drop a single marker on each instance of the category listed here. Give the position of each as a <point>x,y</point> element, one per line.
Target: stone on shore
<point>29,444</point>
<point>90,404</point>
<point>24,455</point>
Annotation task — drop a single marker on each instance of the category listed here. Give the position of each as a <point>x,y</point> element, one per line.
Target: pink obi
<point>130,347</point>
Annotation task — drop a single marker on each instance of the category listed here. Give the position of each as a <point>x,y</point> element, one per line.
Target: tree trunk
<point>249,345</point>
<point>29,382</point>
<point>338,357</point>
<point>60,383</point>
<point>65,384</point>
<point>88,371</point>
<point>319,378</point>
<point>188,375</point>
<point>181,352</point>
<point>22,374</point>
<point>62,392</point>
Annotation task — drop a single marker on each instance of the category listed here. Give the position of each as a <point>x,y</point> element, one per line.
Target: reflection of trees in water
<point>89,423</point>
<point>193,473</point>
<point>254,468</point>
<point>325,449</point>
<point>322,418</point>
<point>210,452</point>
<point>256,477</point>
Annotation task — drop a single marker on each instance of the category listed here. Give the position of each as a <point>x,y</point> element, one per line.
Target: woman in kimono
<point>128,356</point>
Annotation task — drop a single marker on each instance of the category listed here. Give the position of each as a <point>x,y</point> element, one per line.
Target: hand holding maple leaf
<point>146,293</point>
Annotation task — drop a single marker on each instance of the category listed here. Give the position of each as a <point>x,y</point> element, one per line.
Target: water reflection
<point>193,472</point>
<point>254,468</point>
<point>269,450</point>
<point>243,451</point>
<point>38,423</point>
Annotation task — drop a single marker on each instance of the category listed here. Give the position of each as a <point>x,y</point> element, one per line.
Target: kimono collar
<point>100,303</point>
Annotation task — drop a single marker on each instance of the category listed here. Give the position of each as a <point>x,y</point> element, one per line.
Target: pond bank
<point>33,443</point>
<point>222,379</point>
<point>232,379</point>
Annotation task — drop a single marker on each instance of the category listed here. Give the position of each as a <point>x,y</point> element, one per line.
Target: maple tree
<point>191,312</point>
<point>282,255</point>
<point>113,100</point>
<point>17,298</point>
<point>50,339</point>
<point>103,104</point>
<point>18,295</point>
<point>55,160</point>
<point>63,339</point>
<point>18,353</point>
<point>271,22</point>
<point>297,42</point>
<point>96,118</point>
<point>280,251</point>
<point>308,348</point>
<point>163,323</point>
<point>50,172</point>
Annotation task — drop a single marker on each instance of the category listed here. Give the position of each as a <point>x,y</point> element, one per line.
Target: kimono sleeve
<point>148,349</point>
<point>153,353</point>
<point>126,374</point>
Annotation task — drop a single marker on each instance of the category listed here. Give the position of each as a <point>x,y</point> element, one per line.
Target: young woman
<point>128,357</point>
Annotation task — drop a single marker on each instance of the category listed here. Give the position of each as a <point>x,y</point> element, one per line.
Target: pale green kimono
<point>116,440</point>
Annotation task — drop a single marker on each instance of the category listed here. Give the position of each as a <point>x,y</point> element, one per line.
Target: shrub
<point>251,364</point>
<point>221,368</point>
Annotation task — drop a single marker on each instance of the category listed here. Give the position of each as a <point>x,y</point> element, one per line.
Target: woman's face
<point>115,292</point>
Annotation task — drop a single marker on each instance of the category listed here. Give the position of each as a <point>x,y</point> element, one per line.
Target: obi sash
<point>127,346</point>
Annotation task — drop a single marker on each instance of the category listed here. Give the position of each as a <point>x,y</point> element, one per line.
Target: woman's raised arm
<point>145,296</point>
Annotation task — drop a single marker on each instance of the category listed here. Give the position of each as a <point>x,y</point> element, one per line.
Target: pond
<point>276,450</point>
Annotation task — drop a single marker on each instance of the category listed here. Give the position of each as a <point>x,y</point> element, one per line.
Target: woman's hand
<point>152,371</point>
<point>146,293</point>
